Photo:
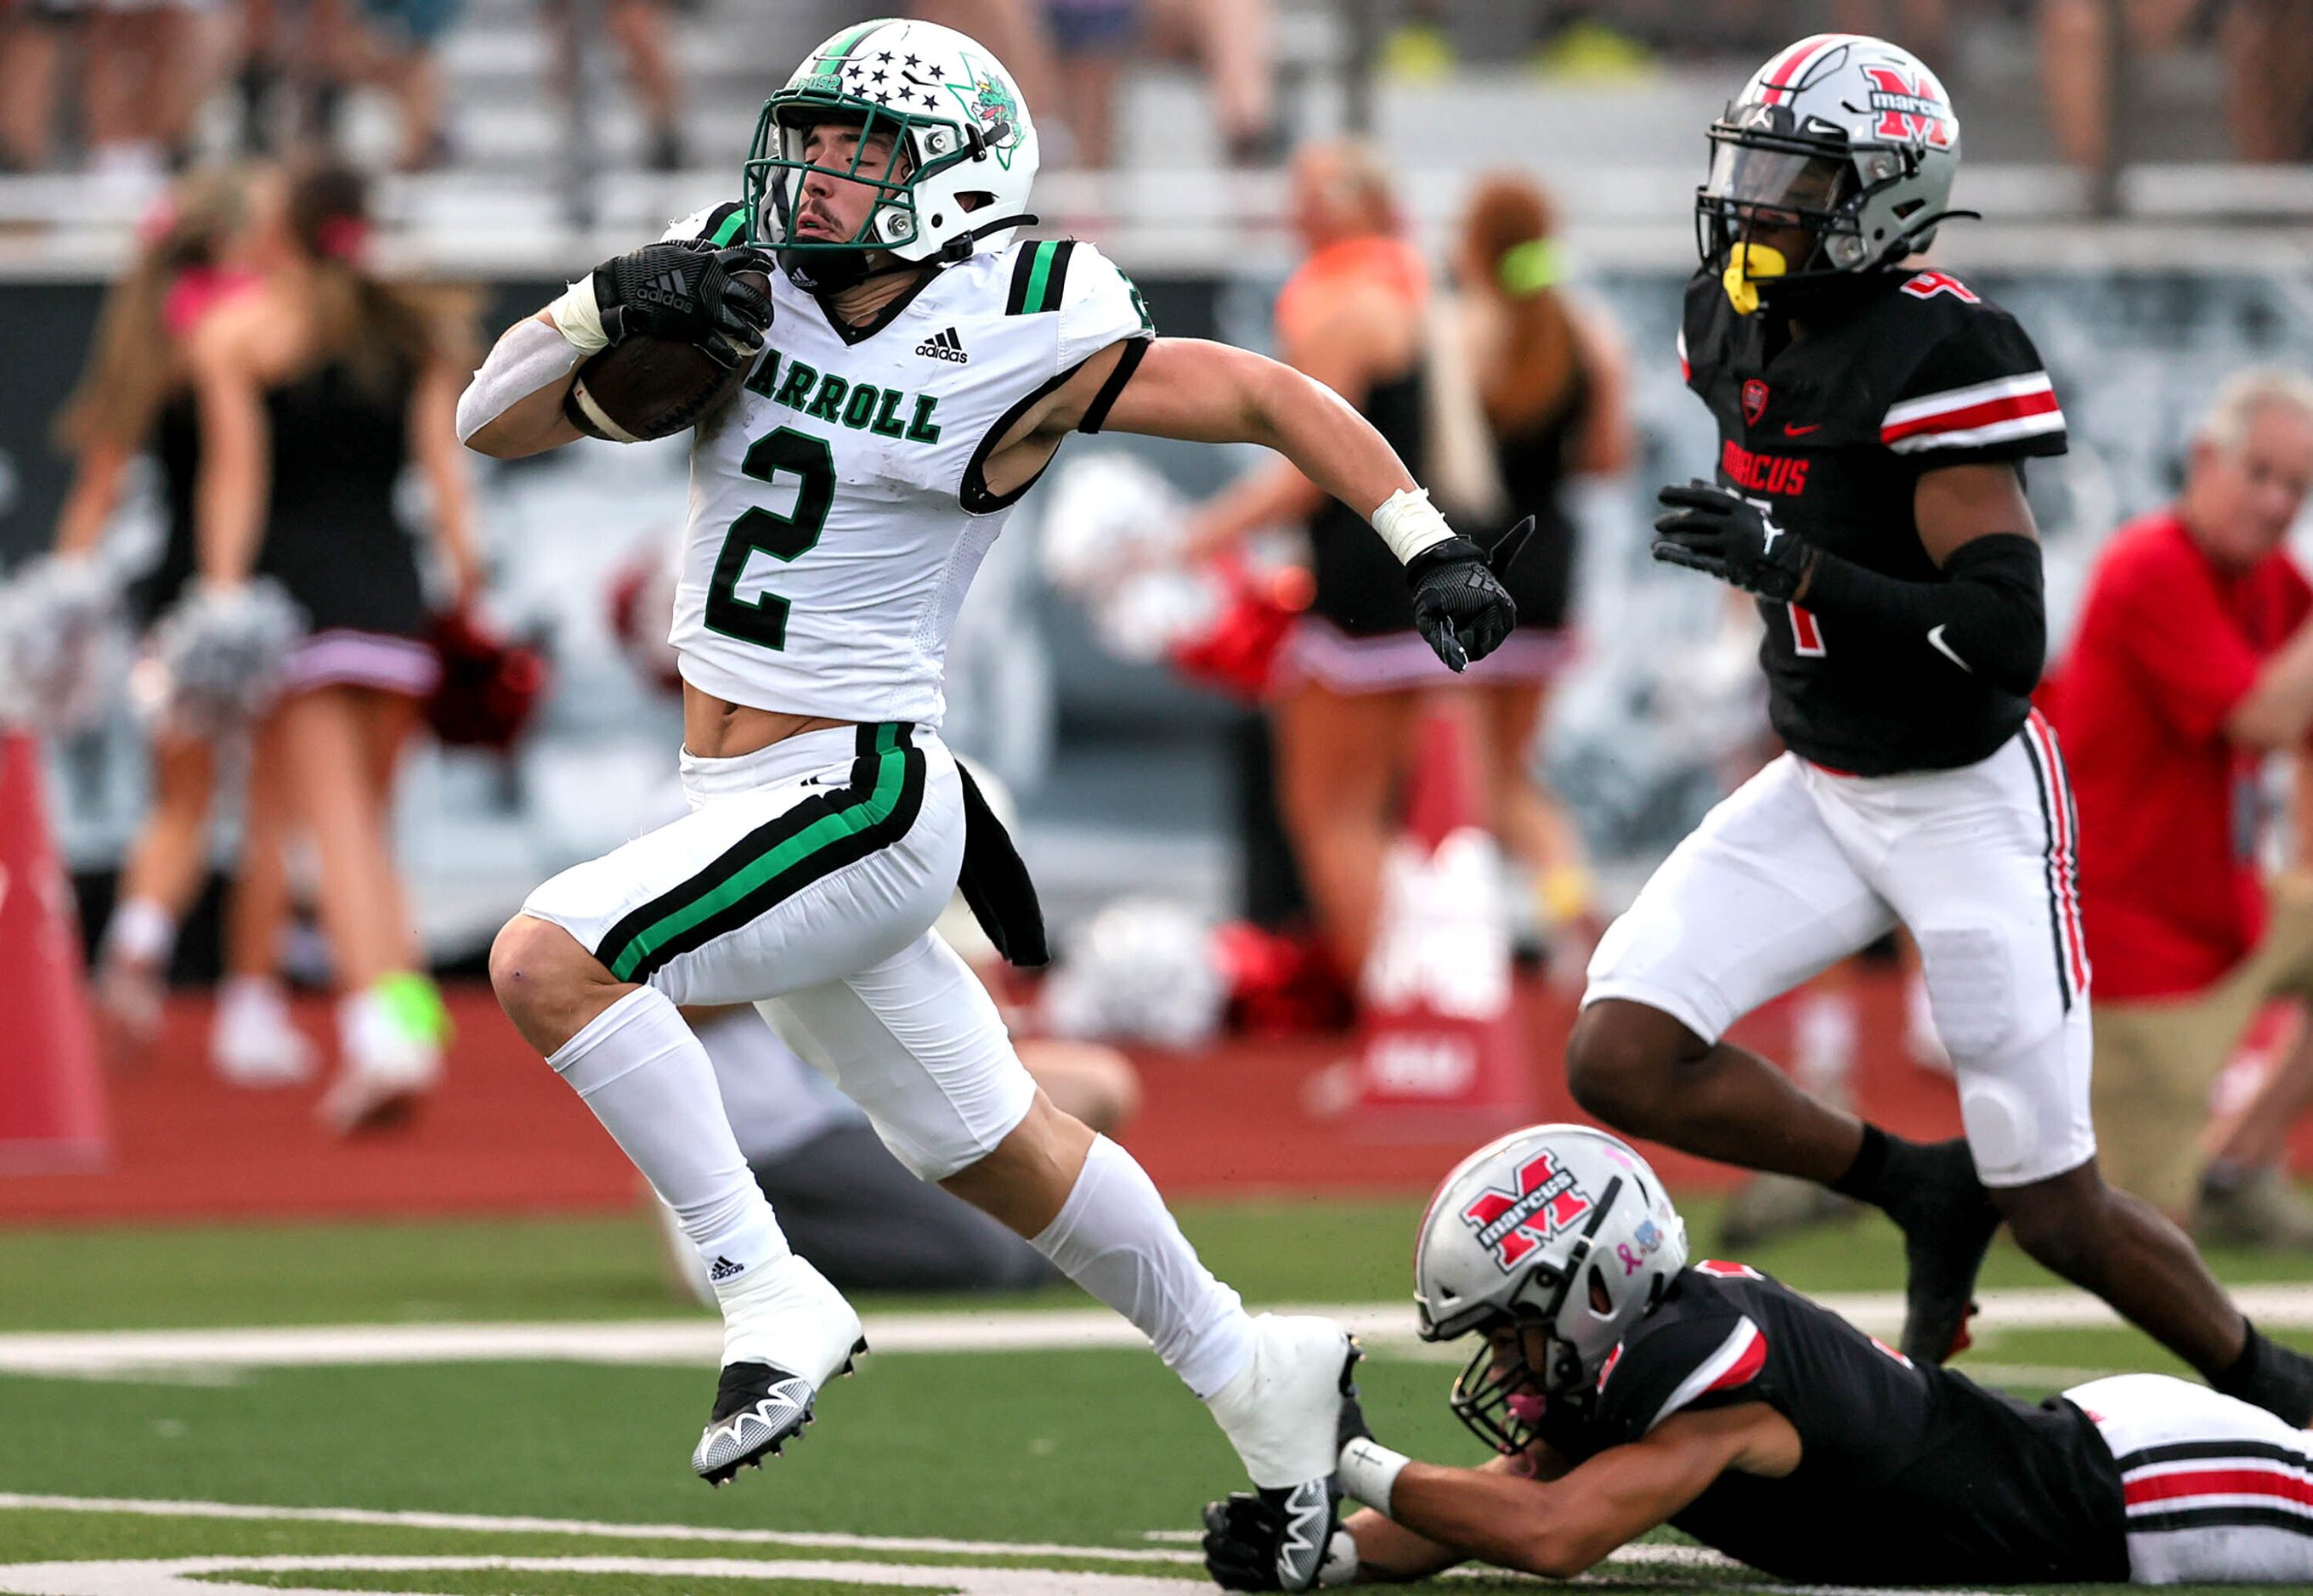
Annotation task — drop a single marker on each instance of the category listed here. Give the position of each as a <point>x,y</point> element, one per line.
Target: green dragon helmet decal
<point>962,150</point>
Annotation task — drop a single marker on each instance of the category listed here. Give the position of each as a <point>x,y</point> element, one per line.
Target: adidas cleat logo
<point>721,1269</point>
<point>943,345</point>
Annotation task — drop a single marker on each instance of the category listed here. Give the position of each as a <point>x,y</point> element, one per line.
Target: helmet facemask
<point>777,166</point>
<point>1784,208</point>
<point>1500,1399</point>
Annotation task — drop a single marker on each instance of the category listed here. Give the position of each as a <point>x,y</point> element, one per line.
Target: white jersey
<point>837,507</point>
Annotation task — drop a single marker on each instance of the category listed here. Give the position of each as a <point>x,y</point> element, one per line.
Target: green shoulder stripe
<point>1037,277</point>
<point>731,227</point>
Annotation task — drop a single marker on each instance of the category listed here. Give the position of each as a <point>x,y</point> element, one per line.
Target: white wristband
<point>1369,1470</point>
<point>1410,524</point>
<point>579,319</point>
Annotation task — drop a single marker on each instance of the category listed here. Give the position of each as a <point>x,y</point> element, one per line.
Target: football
<point>645,388</point>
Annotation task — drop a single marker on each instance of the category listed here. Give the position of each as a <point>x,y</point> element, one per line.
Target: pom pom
<point>217,657</point>
<point>1142,970</point>
<point>64,644</point>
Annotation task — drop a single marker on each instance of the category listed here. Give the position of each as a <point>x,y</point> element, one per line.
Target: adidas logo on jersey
<point>722,1268</point>
<point>943,345</point>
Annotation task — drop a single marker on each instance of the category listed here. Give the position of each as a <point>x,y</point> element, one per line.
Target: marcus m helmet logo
<point>1513,1223</point>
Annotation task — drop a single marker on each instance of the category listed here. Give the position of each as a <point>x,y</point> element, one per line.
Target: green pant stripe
<point>891,771</point>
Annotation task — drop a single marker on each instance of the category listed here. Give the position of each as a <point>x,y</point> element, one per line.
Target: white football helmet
<point>1845,138</point>
<point>959,128</point>
<point>1557,1229</point>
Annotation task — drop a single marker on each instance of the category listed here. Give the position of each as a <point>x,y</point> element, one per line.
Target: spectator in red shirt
<point>2191,662</point>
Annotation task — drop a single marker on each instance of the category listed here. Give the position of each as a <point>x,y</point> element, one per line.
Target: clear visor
<point>1782,181</point>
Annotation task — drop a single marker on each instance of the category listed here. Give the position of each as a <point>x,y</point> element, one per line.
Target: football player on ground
<point>1624,1390</point>
<point>1874,420</point>
<point>918,370</point>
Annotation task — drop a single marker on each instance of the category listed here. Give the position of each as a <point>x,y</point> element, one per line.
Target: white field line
<point>211,1575</point>
<point>1385,1328</point>
<point>1671,1554</point>
<point>182,1577</point>
<point>524,1524</point>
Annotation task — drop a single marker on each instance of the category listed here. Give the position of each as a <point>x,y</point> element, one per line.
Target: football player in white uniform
<point>917,371</point>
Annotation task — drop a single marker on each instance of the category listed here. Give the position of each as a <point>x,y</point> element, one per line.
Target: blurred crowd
<point>121,86</point>
<point>141,85</point>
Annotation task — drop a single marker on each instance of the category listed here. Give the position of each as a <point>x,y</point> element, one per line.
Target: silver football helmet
<point>1837,158</point>
<point>1560,1233</point>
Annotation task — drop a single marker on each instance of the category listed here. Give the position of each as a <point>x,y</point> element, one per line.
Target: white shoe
<point>1283,1415</point>
<point>372,1093</point>
<point>786,1332</point>
<point>390,1064</point>
<point>251,1042</point>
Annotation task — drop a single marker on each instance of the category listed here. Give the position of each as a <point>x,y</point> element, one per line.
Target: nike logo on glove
<point>1936,641</point>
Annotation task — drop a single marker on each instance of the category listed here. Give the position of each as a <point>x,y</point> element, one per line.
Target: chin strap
<point>961,246</point>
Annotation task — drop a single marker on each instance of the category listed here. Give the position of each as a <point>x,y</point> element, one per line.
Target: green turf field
<point>1036,1472</point>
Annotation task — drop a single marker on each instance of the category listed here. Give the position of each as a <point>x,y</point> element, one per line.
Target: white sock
<point>1115,1238</point>
<point>141,932</point>
<point>638,1066</point>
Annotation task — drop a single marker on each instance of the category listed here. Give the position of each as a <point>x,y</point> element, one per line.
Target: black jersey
<point>1906,1476</point>
<point>1831,432</point>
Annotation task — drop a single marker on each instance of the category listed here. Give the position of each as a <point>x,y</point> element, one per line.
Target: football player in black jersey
<point>1875,415</point>
<point>1625,1390</point>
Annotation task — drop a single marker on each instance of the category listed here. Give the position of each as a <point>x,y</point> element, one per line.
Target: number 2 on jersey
<point>764,620</point>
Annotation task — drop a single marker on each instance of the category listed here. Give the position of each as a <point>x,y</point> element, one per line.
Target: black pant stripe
<point>2202,1451</point>
<point>2042,787</point>
<point>820,862</point>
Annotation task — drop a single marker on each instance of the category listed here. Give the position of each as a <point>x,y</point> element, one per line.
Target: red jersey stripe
<point>1981,414</point>
<point>1746,1368</point>
<point>2243,1479</point>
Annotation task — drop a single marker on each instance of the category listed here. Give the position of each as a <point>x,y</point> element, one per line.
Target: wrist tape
<point>1370,1471</point>
<point>1410,524</point>
<point>579,318</point>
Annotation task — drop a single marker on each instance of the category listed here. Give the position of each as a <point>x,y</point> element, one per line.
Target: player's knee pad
<point>2002,1122</point>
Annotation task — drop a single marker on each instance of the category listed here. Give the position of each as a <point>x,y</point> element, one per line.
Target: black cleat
<point>758,1410</point>
<point>1947,1220</point>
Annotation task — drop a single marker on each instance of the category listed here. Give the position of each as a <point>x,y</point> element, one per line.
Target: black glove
<point>1460,607</point>
<point>1243,1536</point>
<point>1352,1425</point>
<point>686,294</point>
<point>1720,533</point>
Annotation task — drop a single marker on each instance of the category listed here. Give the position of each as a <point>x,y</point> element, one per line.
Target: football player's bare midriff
<point>717,729</point>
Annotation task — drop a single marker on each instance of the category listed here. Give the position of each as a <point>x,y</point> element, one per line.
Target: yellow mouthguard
<point>1746,265</point>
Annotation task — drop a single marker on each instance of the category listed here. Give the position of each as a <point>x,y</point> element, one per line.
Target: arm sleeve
<point>2192,658</point>
<point>1698,1361</point>
<point>1979,394</point>
<point>1988,616</point>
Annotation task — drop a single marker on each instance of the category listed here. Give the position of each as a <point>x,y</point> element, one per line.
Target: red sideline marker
<point>51,1092</point>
